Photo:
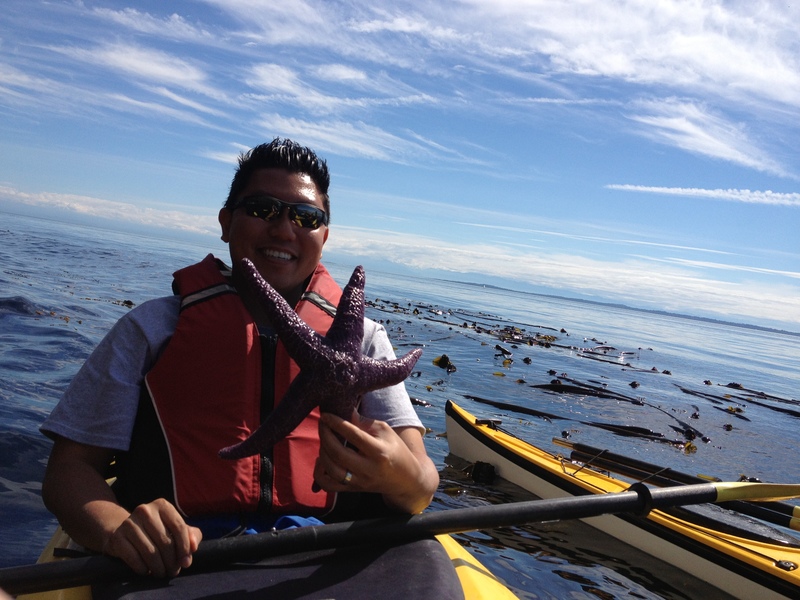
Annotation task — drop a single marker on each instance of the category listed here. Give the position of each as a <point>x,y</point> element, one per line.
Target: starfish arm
<point>334,374</point>
<point>347,329</point>
<point>376,374</point>
<point>341,404</point>
<point>298,402</point>
<point>301,342</point>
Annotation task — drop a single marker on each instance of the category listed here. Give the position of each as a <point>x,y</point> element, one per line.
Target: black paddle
<point>215,553</point>
<point>777,513</point>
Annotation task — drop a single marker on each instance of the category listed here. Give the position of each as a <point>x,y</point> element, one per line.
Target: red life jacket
<point>206,389</point>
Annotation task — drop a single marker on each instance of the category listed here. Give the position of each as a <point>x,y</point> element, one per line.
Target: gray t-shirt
<point>99,406</point>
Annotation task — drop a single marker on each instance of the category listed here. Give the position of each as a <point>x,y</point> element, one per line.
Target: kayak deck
<point>741,567</point>
<point>429,568</point>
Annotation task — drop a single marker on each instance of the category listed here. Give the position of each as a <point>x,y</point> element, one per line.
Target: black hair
<point>280,154</point>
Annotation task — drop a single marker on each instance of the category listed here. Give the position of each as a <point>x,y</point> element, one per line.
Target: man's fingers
<point>120,547</point>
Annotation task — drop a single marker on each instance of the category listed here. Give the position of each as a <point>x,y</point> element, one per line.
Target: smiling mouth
<point>277,254</point>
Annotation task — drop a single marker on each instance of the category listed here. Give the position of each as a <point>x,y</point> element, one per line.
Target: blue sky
<point>637,152</point>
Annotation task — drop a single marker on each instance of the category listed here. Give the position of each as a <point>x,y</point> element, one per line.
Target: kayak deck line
<point>741,567</point>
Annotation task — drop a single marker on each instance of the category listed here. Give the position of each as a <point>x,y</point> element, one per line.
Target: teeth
<point>277,254</point>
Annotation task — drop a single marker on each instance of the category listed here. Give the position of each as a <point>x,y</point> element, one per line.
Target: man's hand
<point>154,540</point>
<point>378,459</point>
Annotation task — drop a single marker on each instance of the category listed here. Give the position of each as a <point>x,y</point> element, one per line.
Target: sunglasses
<point>268,208</point>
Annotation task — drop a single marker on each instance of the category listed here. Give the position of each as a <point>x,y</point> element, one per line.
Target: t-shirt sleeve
<point>100,404</point>
<point>391,404</point>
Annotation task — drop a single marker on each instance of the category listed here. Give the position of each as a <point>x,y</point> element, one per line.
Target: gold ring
<point>348,477</point>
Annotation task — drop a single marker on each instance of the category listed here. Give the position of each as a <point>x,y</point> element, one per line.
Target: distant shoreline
<point>633,308</point>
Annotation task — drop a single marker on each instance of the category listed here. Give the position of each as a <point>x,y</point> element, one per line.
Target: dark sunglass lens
<point>306,216</point>
<point>263,208</point>
<point>302,215</point>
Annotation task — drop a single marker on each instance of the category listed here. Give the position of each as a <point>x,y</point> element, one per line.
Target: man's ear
<point>225,223</point>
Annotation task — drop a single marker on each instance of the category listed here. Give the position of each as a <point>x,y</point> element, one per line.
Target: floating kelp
<point>443,362</point>
<point>685,429</point>
<point>727,398</point>
<point>762,395</point>
<point>710,397</point>
<point>509,337</point>
<point>502,351</point>
<point>786,411</point>
<point>734,411</point>
<point>622,430</point>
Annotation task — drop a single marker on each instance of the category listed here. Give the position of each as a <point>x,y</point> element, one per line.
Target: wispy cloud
<point>555,101</point>
<point>187,102</point>
<point>589,238</point>
<point>145,64</point>
<point>285,85</point>
<point>750,197</point>
<point>174,26</point>
<point>670,287</point>
<point>56,96</point>
<point>349,139</point>
<point>726,267</point>
<point>340,72</point>
<point>732,51</point>
<point>176,220</point>
<point>719,59</point>
<point>693,127</point>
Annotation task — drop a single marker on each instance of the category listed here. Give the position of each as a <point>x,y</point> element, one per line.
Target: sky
<point>642,152</point>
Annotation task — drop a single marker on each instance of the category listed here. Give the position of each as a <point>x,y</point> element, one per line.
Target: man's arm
<point>153,539</point>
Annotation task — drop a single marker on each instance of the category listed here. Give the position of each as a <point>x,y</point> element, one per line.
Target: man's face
<point>284,253</point>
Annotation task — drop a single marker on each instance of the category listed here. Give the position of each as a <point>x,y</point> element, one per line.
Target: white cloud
<point>587,238</point>
<point>561,101</point>
<point>733,50</point>
<point>174,26</point>
<point>146,65</point>
<point>141,62</point>
<point>723,58</point>
<point>669,287</point>
<point>279,83</point>
<point>276,79</point>
<point>281,23</point>
<point>696,129</point>
<point>347,138</point>
<point>116,211</point>
<point>751,197</point>
<point>339,72</point>
<point>187,102</point>
<point>122,102</point>
<point>725,267</point>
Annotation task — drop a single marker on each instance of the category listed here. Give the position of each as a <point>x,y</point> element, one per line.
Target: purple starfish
<point>334,374</point>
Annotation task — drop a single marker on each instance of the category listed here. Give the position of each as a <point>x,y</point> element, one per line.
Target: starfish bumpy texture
<point>334,374</point>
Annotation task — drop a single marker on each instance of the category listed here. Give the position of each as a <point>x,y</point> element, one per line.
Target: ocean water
<point>63,286</point>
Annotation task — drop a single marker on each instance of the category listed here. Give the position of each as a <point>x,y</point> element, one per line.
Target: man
<point>146,392</point>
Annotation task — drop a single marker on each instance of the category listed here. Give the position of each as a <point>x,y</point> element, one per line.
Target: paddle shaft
<point>778,513</point>
<point>393,530</point>
<point>84,571</point>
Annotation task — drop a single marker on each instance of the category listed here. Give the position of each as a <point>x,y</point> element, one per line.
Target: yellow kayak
<point>743,567</point>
